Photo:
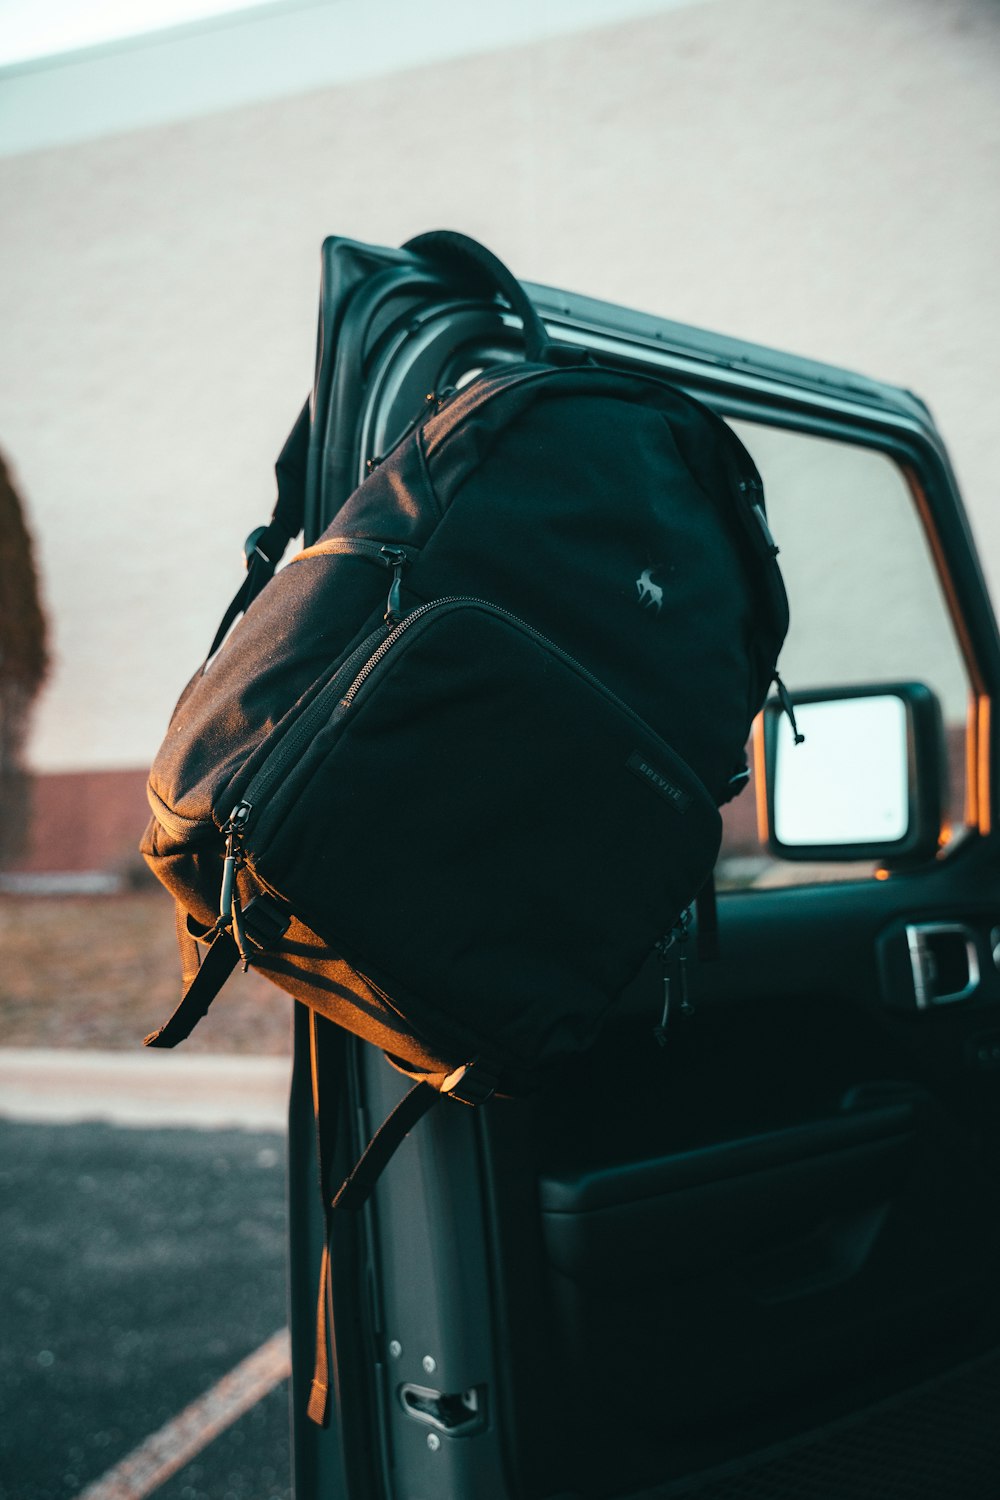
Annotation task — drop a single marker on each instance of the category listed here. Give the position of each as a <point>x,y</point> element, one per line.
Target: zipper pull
<point>673,952</point>
<point>683,929</point>
<point>235,826</point>
<point>230,911</point>
<point>394,558</point>
<point>787,708</point>
<point>432,404</point>
<point>753,493</point>
<point>687,1009</point>
<point>663,948</point>
<point>239,933</point>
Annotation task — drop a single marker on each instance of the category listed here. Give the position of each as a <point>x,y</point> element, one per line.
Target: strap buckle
<point>473,1083</point>
<point>252,547</point>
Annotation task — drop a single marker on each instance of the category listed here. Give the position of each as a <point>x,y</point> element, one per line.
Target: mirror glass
<point>848,782</point>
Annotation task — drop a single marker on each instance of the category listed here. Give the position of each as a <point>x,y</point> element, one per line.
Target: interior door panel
<point>760,1253</point>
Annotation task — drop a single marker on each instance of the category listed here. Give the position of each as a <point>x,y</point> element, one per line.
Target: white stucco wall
<point>819,177</point>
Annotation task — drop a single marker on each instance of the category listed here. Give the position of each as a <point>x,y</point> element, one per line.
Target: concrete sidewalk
<point>144,1088</point>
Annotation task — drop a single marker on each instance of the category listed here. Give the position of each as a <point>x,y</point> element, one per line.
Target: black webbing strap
<point>353,1192</point>
<point>356,1188</point>
<point>706,905</point>
<point>215,968</point>
<point>318,1408</point>
<point>265,547</point>
<point>187,946</point>
<point>472,1084</point>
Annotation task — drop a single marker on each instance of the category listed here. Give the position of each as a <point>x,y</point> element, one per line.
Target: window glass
<point>866,606</point>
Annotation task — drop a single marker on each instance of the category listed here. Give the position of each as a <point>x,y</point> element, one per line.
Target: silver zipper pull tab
<point>686,1008</point>
<point>788,709</point>
<point>665,948</point>
<point>239,933</point>
<point>230,911</point>
<point>753,491</point>
<point>394,558</point>
<point>673,954</point>
<point>228,886</point>
<point>683,930</point>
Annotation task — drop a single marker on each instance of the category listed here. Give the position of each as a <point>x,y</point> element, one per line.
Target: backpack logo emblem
<point>639,765</point>
<point>650,593</point>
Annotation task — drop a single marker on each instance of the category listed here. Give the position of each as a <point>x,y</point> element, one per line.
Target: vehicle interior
<point>757,1255</point>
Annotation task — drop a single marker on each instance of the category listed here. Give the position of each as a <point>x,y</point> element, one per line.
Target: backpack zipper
<point>750,515</point>
<point>507,380</point>
<point>457,601</point>
<point>303,731</point>
<point>365,660</point>
<point>318,713</point>
<point>433,402</point>
<point>358,546</point>
<point>389,554</point>
<point>674,944</point>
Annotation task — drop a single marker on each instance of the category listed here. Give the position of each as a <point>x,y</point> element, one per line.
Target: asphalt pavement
<point>140,1264</point>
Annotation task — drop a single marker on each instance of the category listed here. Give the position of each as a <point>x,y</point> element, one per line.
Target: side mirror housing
<point>867,781</point>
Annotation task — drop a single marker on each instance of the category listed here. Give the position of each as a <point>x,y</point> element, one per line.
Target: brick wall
<point>83,821</point>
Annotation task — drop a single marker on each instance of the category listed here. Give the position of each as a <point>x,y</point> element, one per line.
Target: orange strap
<point>318,1410</point>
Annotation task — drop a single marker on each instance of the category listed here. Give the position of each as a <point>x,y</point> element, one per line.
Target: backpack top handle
<point>460,253</point>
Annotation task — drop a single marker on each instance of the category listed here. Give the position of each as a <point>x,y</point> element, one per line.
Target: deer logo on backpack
<point>650,593</point>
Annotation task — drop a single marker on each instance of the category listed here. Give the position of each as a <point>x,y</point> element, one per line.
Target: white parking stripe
<point>166,1451</point>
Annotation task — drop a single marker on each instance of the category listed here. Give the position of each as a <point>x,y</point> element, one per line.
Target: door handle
<point>944,962</point>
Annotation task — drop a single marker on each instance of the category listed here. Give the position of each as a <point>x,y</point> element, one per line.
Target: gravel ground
<point>102,971</point>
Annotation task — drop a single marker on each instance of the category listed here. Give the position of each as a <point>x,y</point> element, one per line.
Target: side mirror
<point>865,784</point>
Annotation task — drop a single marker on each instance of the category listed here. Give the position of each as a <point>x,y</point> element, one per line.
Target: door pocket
<point>797,1209</point>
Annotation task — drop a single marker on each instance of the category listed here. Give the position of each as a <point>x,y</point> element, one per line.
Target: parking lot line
<point>184,1436</point>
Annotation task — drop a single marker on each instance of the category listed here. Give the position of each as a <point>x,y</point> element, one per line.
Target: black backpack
<point>456,771</point>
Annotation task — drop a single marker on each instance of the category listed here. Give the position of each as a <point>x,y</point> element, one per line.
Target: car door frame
<point>389,325</point>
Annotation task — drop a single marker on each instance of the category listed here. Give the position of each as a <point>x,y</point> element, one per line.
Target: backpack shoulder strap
<point>265,546</point>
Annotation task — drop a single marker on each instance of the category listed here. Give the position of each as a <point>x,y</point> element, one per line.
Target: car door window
<point>866,606</point>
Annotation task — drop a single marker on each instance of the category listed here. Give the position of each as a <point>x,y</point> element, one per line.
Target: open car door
<point>761,1259</point>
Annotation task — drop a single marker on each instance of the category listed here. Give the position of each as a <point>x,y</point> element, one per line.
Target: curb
<point>144,1089</point>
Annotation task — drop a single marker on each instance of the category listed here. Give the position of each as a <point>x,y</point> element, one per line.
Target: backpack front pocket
<point>482,826</point>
